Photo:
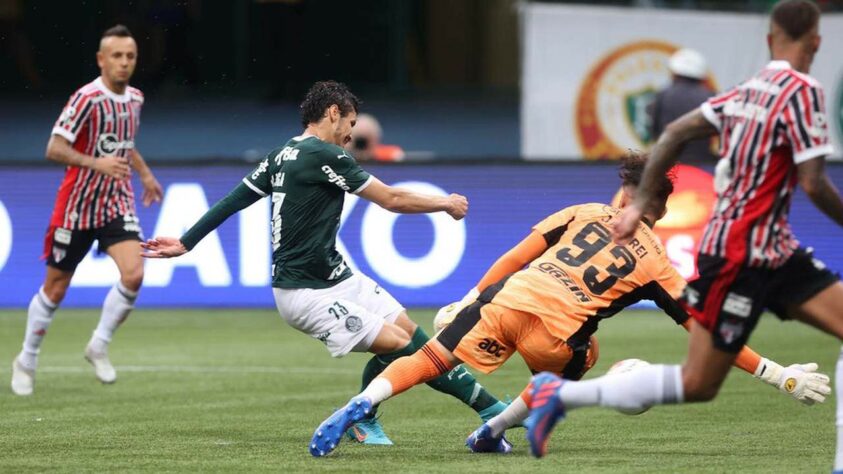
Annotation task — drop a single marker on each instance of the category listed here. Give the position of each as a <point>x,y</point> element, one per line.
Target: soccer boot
<point>368,431</point>
<point>329,434</point>
<point>23,379</point>
<point>102,366</point>
<point>481,441</point>
<point>546,409</point>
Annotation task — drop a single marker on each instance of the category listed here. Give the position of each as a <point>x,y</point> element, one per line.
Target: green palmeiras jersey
<point>307,180</point>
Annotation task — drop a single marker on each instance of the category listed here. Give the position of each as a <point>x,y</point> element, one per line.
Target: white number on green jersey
<point>277,202</point>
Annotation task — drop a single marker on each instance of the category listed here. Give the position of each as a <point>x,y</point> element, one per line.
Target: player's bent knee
<point>698,389</point>
<point>133,279</point>
<point>391,338</point>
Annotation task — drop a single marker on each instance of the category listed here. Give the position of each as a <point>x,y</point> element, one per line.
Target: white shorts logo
<point>738,305</point>
<point>353,323</point>
<point>62,236</point>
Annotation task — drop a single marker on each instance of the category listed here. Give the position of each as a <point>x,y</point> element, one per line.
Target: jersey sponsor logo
<point>562,277</point>
<point>344,155</point>
<point>353,323</point>
<point>333,177</point>
<point>492,346</point>
<point>62,236</point>
<point>287,154</point>
<point>738,305</point>
<point>749,111</point>
<point>611,103</point>
<point>108,144</point>
<point>260,169</point>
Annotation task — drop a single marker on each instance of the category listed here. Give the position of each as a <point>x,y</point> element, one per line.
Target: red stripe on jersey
<point>63,196</point>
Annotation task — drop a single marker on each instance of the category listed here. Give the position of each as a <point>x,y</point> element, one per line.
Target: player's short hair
<point>118,30</point>
<point>632,169</point>
<point>795,17</point>
<point>324,94</point>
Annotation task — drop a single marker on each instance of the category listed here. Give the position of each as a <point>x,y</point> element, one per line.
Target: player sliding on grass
<point>549,311</point>
<point>773,132</point>
<point>314,289</point>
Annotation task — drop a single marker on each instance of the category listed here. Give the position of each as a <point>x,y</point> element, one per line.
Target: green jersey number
<point>277,202</point>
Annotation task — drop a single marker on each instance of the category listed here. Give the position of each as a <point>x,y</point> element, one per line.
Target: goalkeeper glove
<point>800,381</point>
<point>446,314</point>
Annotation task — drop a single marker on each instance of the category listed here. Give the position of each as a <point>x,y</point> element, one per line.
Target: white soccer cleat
<point>102,366</point>
<point>23,379</point>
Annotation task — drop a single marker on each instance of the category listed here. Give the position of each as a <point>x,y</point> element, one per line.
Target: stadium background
<point>449,81</point>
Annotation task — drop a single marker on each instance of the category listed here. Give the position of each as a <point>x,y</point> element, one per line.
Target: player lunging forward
<point>314,289</point>
<point>95,138</point>
<point>773,133</point>
<point>548,312</point>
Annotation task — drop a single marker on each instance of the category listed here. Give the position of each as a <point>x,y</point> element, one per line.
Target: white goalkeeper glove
<point>800,381</point>
<point>446,314</point>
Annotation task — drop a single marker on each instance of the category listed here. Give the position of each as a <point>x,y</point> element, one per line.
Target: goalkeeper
<point>549,312</point>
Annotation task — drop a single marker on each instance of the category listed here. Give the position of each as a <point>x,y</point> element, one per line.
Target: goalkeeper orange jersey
<point>584,277</point>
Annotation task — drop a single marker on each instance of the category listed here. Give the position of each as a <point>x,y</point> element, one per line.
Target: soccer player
<point>314,289</point>
<point>773,133</point>
<point>95,138</point>
<point>547,312</point>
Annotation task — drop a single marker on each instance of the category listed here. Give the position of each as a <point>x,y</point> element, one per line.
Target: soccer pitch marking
<point>201,370</point>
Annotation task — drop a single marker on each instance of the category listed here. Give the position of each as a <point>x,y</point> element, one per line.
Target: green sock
<point>378,363</point>
<point>459,382</point>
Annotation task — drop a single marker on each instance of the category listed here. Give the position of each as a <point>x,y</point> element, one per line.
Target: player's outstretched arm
<point>815,182</point>
<point>662,157</point>
<point>60,150</point>
<point>404,201</point>
<point>512,261</point>
<point>239,198</point>
<point>152,191</point>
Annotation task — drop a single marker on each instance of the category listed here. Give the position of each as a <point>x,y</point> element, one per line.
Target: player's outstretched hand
<point>458,206</point>
<point>163,247</point>
<point>625,225</point>
<point>800,381</point>
<point>804,383</point>
<point>113,166</point>
<point>152,190</point>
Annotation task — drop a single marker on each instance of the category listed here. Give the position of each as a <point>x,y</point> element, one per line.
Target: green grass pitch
<point>238,390</point>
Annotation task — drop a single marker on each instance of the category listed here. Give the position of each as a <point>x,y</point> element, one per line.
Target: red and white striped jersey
<point>98,122</point>
<point>767,125</point>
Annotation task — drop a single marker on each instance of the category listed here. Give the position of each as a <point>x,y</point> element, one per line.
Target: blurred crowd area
<point>220,76</point>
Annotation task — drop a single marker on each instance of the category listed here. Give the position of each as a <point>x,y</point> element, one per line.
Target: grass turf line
<point>238,390</point>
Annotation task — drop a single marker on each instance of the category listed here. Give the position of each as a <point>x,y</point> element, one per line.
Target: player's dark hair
<point>796,17</point>
<point>324,94</point>
<point>632,169</point>
<point>119,31</point>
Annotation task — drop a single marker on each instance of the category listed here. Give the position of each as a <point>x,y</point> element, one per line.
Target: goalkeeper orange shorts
<point>484,336</point>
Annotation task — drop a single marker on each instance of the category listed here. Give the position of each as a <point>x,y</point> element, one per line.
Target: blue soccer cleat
<point>546,409</point>
<point>481,441</point>
<point>328,435</point>
<point>368,431</point>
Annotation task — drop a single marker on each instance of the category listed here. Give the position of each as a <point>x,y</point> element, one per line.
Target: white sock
<point>838,386</point>
<point>636,390</point>
<point>118,304</point>
<point>378,390</point>
<point>511,416</point>
<point>38,319</point>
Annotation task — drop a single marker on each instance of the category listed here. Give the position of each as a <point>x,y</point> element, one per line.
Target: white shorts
<point>346,317</point>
